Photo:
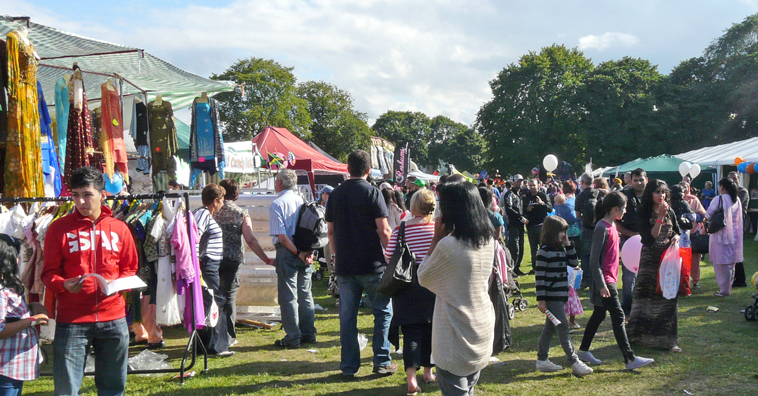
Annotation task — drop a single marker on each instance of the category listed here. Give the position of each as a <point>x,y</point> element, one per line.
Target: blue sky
<point>430,56</point>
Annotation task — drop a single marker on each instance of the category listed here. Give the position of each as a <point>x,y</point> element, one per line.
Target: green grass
<point>719,353</point>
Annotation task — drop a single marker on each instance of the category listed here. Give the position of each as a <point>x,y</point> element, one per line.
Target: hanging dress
<point>79,135</point>
<point>61,117</point>
<point>206,143</point>
<point>163,142</point>
<point>112,136</point>
<point>23,164</point>
<point>50,167</point>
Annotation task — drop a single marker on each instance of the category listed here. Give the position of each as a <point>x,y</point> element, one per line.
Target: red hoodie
<point>69,253</point>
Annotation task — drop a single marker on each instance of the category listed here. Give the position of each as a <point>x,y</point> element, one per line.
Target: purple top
<point>188,270</point>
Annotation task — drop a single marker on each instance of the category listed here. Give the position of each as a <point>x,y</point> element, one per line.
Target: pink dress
<point>573,306</point>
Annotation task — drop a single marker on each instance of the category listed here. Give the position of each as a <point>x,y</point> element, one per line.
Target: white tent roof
<point>723,154</point>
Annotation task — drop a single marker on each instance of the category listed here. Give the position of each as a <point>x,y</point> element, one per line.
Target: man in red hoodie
<point>89,240</point>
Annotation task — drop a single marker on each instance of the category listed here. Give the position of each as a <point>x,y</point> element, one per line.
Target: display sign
<point>241,157</point>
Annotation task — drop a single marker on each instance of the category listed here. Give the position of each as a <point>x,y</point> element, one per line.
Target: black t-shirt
<point>539,212</point>
<point>631,219</point>
<point>353,207</point>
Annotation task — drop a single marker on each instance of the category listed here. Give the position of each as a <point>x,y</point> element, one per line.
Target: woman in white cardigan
<point>457,270</point>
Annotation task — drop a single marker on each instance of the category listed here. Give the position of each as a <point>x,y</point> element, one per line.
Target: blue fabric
<point>71,347</point>
<point>205,142</point>
<point>49,156</point>
<point>351,290</point>
<point>567,211</point>
<point>10,386</point>
<point>61,117</point>
<point>295,298</point>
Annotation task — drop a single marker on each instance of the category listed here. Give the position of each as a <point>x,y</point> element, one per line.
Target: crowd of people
<point>453,229</point>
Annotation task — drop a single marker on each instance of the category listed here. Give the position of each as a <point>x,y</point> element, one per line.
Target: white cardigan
<point>464,319</point>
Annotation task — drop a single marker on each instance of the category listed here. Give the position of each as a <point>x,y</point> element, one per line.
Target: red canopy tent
<point>273,139</point>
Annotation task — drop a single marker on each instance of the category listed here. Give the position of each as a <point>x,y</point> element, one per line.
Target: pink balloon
<point>630,253</point>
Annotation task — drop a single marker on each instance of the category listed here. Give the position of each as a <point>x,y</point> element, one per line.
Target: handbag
<point>574,230</point>
<point>399,272</point>
<point>717,221</point>
<point>700,243</point>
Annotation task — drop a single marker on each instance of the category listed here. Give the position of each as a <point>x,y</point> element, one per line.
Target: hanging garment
<point>3,95</point>
<point>163,143</point>
<point>138,131</point>
<point>50,167</point>
<point>79,135</point>
<point>114,149</point>
<point>167,311</point>
<point>206,142</point>
<point>23,165</point>
<point>188,270</point>
<point>61,117</point>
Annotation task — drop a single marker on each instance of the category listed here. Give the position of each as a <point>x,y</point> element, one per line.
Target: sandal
<point>414,392</point>
<point>676,349</point>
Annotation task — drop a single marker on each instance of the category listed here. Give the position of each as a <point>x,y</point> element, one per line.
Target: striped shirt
<point>417,236</point>
<point>205,223</point>
<point>550,273</point>
<point>282,214</point>
<point>19,352</point>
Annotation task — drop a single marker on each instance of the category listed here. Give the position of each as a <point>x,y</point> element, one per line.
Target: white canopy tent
<point>724,155</point>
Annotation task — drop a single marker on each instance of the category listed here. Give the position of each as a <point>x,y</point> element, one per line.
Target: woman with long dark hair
<point>457,269</point>
<point>653,320</point>
<point>725,246</point>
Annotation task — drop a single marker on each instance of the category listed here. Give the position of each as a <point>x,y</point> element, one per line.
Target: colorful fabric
<point>49,157</point>
<point>61,117</point>
<point>23,164</point>
<point>112,136</point>
<point>79,135</point>
<point>19,353</point>
<point>188,271</point>
<point>573,306</point>
<point>163,143</point>
<point>231,218</point>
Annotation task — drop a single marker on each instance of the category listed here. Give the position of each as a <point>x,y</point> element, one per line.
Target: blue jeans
<point>629,279</point>
<point>295,298</point>
<point>351,290</point>
<point>586,247</point>
<point>70,350</point>
<point>10,386</point>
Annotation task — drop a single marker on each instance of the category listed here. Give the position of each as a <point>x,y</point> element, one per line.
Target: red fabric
<point>69,253</point>
<point>273,139</point>
<point>684,281</point>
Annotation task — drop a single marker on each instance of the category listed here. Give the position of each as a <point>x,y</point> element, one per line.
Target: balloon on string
<point>742,167</point>
<point>550,162</point>
<point>750,168</point>
<point>738,161</point>
<point>684,168</point>
<point>114,186</point>
<point>630,253</point>
<point>694,170</point>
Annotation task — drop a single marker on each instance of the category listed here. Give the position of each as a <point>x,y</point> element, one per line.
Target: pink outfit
<point>725,247</point>
<point>611,256</point>
<point>188,269</point>
<point>573,306</point>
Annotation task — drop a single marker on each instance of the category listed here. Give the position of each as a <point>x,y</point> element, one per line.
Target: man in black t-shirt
<point>628,227</point>
<point>588,193</point>
<point>536,208</point>
<point>514,212</point>
<point>358,230</point>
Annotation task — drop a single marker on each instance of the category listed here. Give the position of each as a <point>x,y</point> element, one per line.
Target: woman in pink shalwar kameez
<point>725,248</point>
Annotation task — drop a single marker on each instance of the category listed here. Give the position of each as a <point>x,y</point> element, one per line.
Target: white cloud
<point>607,40</point>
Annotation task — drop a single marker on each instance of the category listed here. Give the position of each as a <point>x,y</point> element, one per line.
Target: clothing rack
<point>194,339</point>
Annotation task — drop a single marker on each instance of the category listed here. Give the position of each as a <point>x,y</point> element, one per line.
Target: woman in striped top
<point>413,307</point>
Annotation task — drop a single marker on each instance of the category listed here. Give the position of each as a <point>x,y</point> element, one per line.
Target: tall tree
<point>335,126</point>
<point>533,112</point>
<point>400,127</point>
<point>268,98</point>
<point>455,143</point>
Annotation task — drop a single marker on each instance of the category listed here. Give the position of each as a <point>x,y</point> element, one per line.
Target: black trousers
<point>534,232</point>
<point>228,272</point>
<point>417,345</point>
<point>612,306</point>
<point>215,339</point>
<point>740,280</point>
<point>516,244</point>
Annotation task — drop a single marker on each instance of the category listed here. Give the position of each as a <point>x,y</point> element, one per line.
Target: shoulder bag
<point>717,221</point>
<point>399,272</point>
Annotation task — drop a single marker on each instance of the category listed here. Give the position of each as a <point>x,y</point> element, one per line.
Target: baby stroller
<point>516,300</point>
<point>751,311</point>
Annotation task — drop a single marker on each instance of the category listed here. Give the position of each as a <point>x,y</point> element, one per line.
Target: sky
<point>436,57</point>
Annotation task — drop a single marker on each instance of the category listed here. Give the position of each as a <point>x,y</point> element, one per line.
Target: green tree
<point>533,111</point>
<point>335,126</point>
<point>400,127</point>
<point>268,98</point>
<point>455,143</point>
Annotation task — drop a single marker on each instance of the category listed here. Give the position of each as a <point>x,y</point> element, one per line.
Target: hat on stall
<point>420,183</point>
<point>326,189</point>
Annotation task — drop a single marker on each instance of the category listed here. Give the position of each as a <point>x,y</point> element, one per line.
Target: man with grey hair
<point>293,267</point>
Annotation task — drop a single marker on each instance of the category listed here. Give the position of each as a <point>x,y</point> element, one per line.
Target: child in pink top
<point>604,267</point>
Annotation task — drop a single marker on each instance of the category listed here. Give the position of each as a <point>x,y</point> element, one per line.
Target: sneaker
<point>695,286</point>
<point>281,344</point>
<point>233,343</point>
<point>638,362</point>
<point>580,369</point>
<point>388,369</point>
<point>223,354</point>
<point>546,366</point>
<point>588,358</point>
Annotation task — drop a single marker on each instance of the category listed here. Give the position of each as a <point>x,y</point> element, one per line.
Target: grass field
<point>718,358</point>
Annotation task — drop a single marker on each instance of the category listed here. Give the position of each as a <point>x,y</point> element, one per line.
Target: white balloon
<point>684,168</point>
<point>550,162</point>
<point>694,170</point>
<point>630,253</point>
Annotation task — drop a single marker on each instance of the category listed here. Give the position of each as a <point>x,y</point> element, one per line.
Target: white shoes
<point>580,369</point>
<point>587,357</point>
<point>638,362</point>
<point>546,366</point>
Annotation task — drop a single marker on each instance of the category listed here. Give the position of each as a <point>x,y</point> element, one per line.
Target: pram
<point>516,300</point>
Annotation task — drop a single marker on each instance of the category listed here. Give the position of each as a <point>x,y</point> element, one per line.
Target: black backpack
<point>311,230</point>
<point>588,211</point>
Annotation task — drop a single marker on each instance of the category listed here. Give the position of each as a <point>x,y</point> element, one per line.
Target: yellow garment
<point>105,137</point>
<point>23,162</point>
